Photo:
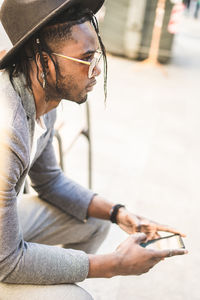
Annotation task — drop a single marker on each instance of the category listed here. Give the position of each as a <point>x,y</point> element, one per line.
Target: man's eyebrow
<point>89,52</point>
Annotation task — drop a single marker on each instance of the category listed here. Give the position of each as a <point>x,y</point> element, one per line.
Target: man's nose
<point>97,70</point>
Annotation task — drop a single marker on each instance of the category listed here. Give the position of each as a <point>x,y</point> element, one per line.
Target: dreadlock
<point>58,29</point>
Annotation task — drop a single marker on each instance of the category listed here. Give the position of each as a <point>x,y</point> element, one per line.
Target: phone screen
<point>168,242</point>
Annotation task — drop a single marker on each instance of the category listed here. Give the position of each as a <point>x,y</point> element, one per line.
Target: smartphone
<point>173,241</point>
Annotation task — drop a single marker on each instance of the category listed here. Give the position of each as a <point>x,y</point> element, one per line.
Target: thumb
<point>139,237</point>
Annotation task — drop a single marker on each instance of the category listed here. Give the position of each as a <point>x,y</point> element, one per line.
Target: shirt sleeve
<point>54,187</point>
<point>21,261</point>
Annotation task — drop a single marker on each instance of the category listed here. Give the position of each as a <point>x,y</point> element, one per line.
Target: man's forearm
<point>100,208</point>
<point>102,266</point>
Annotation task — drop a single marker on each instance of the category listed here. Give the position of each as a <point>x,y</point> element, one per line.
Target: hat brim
<point>91,4</point>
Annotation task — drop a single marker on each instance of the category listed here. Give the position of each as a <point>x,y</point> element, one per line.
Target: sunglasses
<point>92,64</point>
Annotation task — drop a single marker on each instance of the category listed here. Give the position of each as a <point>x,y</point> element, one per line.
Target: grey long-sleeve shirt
<point>20,261</point>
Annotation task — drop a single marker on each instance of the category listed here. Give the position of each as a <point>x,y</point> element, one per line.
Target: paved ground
<point>146,155</point>
<point>146,146</point>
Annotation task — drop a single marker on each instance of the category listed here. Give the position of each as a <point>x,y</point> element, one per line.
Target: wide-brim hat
<point>22,18</point>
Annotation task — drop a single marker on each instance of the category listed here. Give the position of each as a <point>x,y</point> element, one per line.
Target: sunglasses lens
<point>92,66</point>
<point>95,61</point>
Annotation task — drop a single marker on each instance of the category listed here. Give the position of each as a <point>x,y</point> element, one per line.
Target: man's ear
<point>47,62</point>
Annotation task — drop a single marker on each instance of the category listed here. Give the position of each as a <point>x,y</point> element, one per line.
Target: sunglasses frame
<point>94,62</point>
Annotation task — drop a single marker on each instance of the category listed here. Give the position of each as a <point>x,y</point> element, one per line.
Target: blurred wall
<point>127,28</point>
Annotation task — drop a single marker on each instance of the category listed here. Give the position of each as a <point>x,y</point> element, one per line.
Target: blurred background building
<point>127,28</point>
<point>127,25</point>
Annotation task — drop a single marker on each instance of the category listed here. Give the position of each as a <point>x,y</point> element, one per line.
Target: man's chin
<point>83,100</point>
<point>78,100</point>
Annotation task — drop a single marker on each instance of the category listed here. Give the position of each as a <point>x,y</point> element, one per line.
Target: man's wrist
<point>103,266</point>
<point>114,212</point>
<point>99,208</point>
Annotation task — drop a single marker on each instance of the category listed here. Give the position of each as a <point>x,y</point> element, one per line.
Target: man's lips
<point>91,84</point>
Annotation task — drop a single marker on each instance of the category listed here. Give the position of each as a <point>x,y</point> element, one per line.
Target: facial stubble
<point>64,88</point>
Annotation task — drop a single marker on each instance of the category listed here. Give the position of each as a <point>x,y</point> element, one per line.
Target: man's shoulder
<point>9,99</point>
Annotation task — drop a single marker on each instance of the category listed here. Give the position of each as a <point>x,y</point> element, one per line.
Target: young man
<point>55,55</point>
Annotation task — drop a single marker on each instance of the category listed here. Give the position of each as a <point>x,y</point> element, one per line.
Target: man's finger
<point>156,236</point>
<point>171,252</point>
<point>138,227</point>
<point>169,229</point>
<point>140,237</point>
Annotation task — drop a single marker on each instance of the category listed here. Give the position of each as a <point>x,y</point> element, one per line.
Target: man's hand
<point>129,258</point>
<point>135,260</point>
<point>131,223</point>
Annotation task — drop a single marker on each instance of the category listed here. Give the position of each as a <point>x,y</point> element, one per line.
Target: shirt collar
<point>25,94</point>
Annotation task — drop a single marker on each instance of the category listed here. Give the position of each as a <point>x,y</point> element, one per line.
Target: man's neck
<point>42,106</point>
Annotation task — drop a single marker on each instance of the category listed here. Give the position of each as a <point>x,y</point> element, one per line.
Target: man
<point>55,55</point>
